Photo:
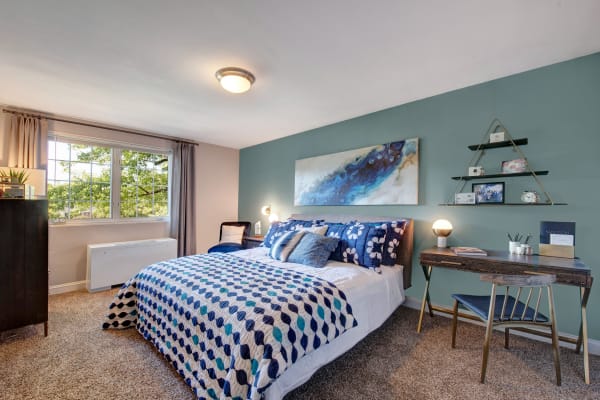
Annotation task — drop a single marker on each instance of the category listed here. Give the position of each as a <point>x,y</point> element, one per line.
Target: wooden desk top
<point>568,271</point>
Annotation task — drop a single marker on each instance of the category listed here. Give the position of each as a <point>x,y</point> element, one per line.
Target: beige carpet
<point>78,360</point>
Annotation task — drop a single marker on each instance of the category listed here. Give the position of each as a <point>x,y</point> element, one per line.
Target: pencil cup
<point>513,247</point>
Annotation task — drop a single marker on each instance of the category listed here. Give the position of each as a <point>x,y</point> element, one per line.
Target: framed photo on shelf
<point>489,193</point>
<point>514,166</point>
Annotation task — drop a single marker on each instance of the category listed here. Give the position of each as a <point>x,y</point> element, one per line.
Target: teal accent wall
<point>556,107</point>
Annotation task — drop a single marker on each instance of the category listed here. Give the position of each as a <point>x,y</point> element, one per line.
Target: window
<point>88,181</point>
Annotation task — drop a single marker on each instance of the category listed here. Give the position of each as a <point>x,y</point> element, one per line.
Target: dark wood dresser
<point>23,263</point>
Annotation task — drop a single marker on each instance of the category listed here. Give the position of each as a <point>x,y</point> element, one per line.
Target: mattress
<point>373,298</point>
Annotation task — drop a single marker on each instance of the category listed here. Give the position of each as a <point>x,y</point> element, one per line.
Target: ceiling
<point>150,64</point>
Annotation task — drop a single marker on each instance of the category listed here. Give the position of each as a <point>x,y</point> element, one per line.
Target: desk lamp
<point>442,228</point>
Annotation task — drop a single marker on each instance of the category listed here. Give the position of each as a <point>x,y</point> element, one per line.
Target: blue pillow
<point>275,230</point>
<point>279,228</point>
<point>283,246</point>
<point>393,236</point>
<point>360,244</point>
<point>313,249</point>
<point>297,224</point>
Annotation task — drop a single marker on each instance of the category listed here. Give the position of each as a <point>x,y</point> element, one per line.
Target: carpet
<point>78,360</point>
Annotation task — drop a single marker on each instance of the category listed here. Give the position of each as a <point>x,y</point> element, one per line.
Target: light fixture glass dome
<point>442,228</point>
<point>235,80</point>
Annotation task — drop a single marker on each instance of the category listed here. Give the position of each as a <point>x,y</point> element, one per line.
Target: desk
<point>571,272</point>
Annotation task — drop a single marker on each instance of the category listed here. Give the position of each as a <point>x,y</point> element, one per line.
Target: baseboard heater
<point>110,264</point>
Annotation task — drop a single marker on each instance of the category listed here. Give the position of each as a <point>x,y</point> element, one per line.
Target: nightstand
<point>253,241</point>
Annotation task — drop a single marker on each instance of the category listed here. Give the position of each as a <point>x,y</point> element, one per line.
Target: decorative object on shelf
<point>489,193</point>
<point>496,137</point>
<point>464,198</point>
<point>497,130</point>
<point>530,196</point>
<point>442,228</point>
<point>374,175</point>
<point>514,166</point>
<point>557,239</point>
<point>476,171</point>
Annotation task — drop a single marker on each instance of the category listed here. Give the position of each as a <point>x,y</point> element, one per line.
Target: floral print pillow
<point>359,244</point>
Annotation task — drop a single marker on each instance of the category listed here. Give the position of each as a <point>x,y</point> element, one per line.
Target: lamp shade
<point>442,228</point>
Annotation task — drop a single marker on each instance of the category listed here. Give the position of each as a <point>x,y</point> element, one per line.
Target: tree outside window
<point>81,184</point>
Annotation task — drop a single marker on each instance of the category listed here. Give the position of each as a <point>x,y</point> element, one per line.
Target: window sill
<point>128,221</point>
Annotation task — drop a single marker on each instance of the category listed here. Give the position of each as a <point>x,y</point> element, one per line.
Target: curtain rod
<point>97,125</point>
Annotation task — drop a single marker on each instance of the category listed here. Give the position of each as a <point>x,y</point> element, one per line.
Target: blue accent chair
<point>226,247</point>
<point>509,311</point>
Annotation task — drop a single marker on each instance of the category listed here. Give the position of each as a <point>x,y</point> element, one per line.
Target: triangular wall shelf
<point>497,126</point>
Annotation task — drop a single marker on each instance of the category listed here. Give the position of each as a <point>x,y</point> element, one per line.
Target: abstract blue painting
<point>382,174</point>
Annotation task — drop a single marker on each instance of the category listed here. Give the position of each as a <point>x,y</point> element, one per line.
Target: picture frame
<point>514,166</point>
<point>489,192</point>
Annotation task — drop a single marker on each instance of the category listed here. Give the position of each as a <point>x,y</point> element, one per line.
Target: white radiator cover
<point>114,263</point>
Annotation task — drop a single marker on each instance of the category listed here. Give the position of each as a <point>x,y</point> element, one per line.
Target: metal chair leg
<point>454,323</point>
<point>488,333</point>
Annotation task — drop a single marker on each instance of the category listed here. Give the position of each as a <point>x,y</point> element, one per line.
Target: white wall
<point>67,245</point>
<point>216,194</point>
<point>217,182</point>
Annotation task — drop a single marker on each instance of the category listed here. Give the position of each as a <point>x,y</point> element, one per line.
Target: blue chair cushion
<point>480,305</point>
<point>225,248</point>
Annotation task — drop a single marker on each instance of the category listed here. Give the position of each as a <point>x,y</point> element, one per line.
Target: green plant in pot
<point>16,176</point>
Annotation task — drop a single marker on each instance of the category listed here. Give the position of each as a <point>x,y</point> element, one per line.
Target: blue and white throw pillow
<point>283,246</point>
<point>394,231</point>
<point>313,249</point>
<point>360,244</point>
<point>279,228</point>
<point>275,230</point>
<point>297,224</point>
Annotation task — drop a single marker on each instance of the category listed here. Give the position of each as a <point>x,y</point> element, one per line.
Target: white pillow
<point>232,234</point>
<point>319,230</point>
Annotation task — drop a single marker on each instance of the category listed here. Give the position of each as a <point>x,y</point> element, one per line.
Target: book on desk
<point>468,251</point>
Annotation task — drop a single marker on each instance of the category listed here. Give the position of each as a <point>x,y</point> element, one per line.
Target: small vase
<point>513,246</point>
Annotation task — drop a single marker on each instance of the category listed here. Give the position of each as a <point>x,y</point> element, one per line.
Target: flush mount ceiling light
<point>235,80</point>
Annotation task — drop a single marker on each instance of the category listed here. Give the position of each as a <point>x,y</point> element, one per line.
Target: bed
<point>246,325</point>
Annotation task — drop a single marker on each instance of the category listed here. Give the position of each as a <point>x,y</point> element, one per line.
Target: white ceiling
<point>150,64</point>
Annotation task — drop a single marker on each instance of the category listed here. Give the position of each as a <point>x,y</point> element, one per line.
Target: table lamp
<point>442,228</point>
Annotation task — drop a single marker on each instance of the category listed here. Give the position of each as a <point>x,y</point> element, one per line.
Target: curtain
<point>183,199</point>
<point>28,142</point>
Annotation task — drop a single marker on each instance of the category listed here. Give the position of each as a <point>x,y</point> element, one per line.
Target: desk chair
<point>231,236</point>
<point>510,311</point>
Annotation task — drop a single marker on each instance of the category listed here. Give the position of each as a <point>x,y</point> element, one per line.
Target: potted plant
<point>16,176</point>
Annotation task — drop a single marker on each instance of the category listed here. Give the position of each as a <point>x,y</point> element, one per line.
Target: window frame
<point>115,181</point>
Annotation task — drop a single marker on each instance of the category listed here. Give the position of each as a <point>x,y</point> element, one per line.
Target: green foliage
<point>18,176</point>
<point>143,192</point>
